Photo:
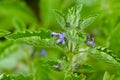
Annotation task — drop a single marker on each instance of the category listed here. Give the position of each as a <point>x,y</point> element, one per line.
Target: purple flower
<point>54,34</point>
<point>43,53</point>
<point>90,43</point>
<point>90,40</point>
<point>61,37</point>
<point>62,41</point>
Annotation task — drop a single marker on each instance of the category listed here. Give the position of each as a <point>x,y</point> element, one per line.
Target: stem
<point>105,75</point>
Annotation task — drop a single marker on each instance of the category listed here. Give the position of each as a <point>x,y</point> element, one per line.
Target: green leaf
<point>60,18</point>
<point>68,77</point>
<point>22,77</point>
<point>114,42</point>
<point>18,77</point>
<point>79,64</point>
<point>39,39</point>
<point>59,63</point>
<point>73,16</point>
<point>4,77</point>
<point>18,9</point>
<point>86,68</point>
<point>103,57</point>
<point>82,77</point>
<point>3,32</point>
<point>42,71</point>
<point>106,76</point>
<point>4,46</point>
<point>74,76</point>
<point>18,24</point>
<point>86,22</point>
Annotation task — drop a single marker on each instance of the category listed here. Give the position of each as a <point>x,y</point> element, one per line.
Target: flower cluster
<point>61,37</point>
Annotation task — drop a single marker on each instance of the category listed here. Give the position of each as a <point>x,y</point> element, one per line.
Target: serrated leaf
<point>104,57</point>
<point>18,24</point>
<point>4,46</point>
<point>86,22</point>
<point>60,18</point>
<point>74,76</point>
<point>18,77</point>
<point>68,77</point>
<point>39,39</point>
<point>86,69</point>
<point>22,77</point>
<point>73,16</point>
<point>41,34</point>
<point>3,32</point>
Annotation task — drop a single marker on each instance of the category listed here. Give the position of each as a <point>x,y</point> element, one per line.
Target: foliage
<point>81,46</point>
<point>18,77</point>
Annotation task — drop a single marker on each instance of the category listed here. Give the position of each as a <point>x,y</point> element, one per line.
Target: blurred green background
<point>20,15</point>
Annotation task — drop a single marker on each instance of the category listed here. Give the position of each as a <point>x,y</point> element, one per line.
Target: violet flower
<point>61,37</point>
<point>54,34</point>
<point>90,40</point>
<point>43,53</point>
<point>62,41</point>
